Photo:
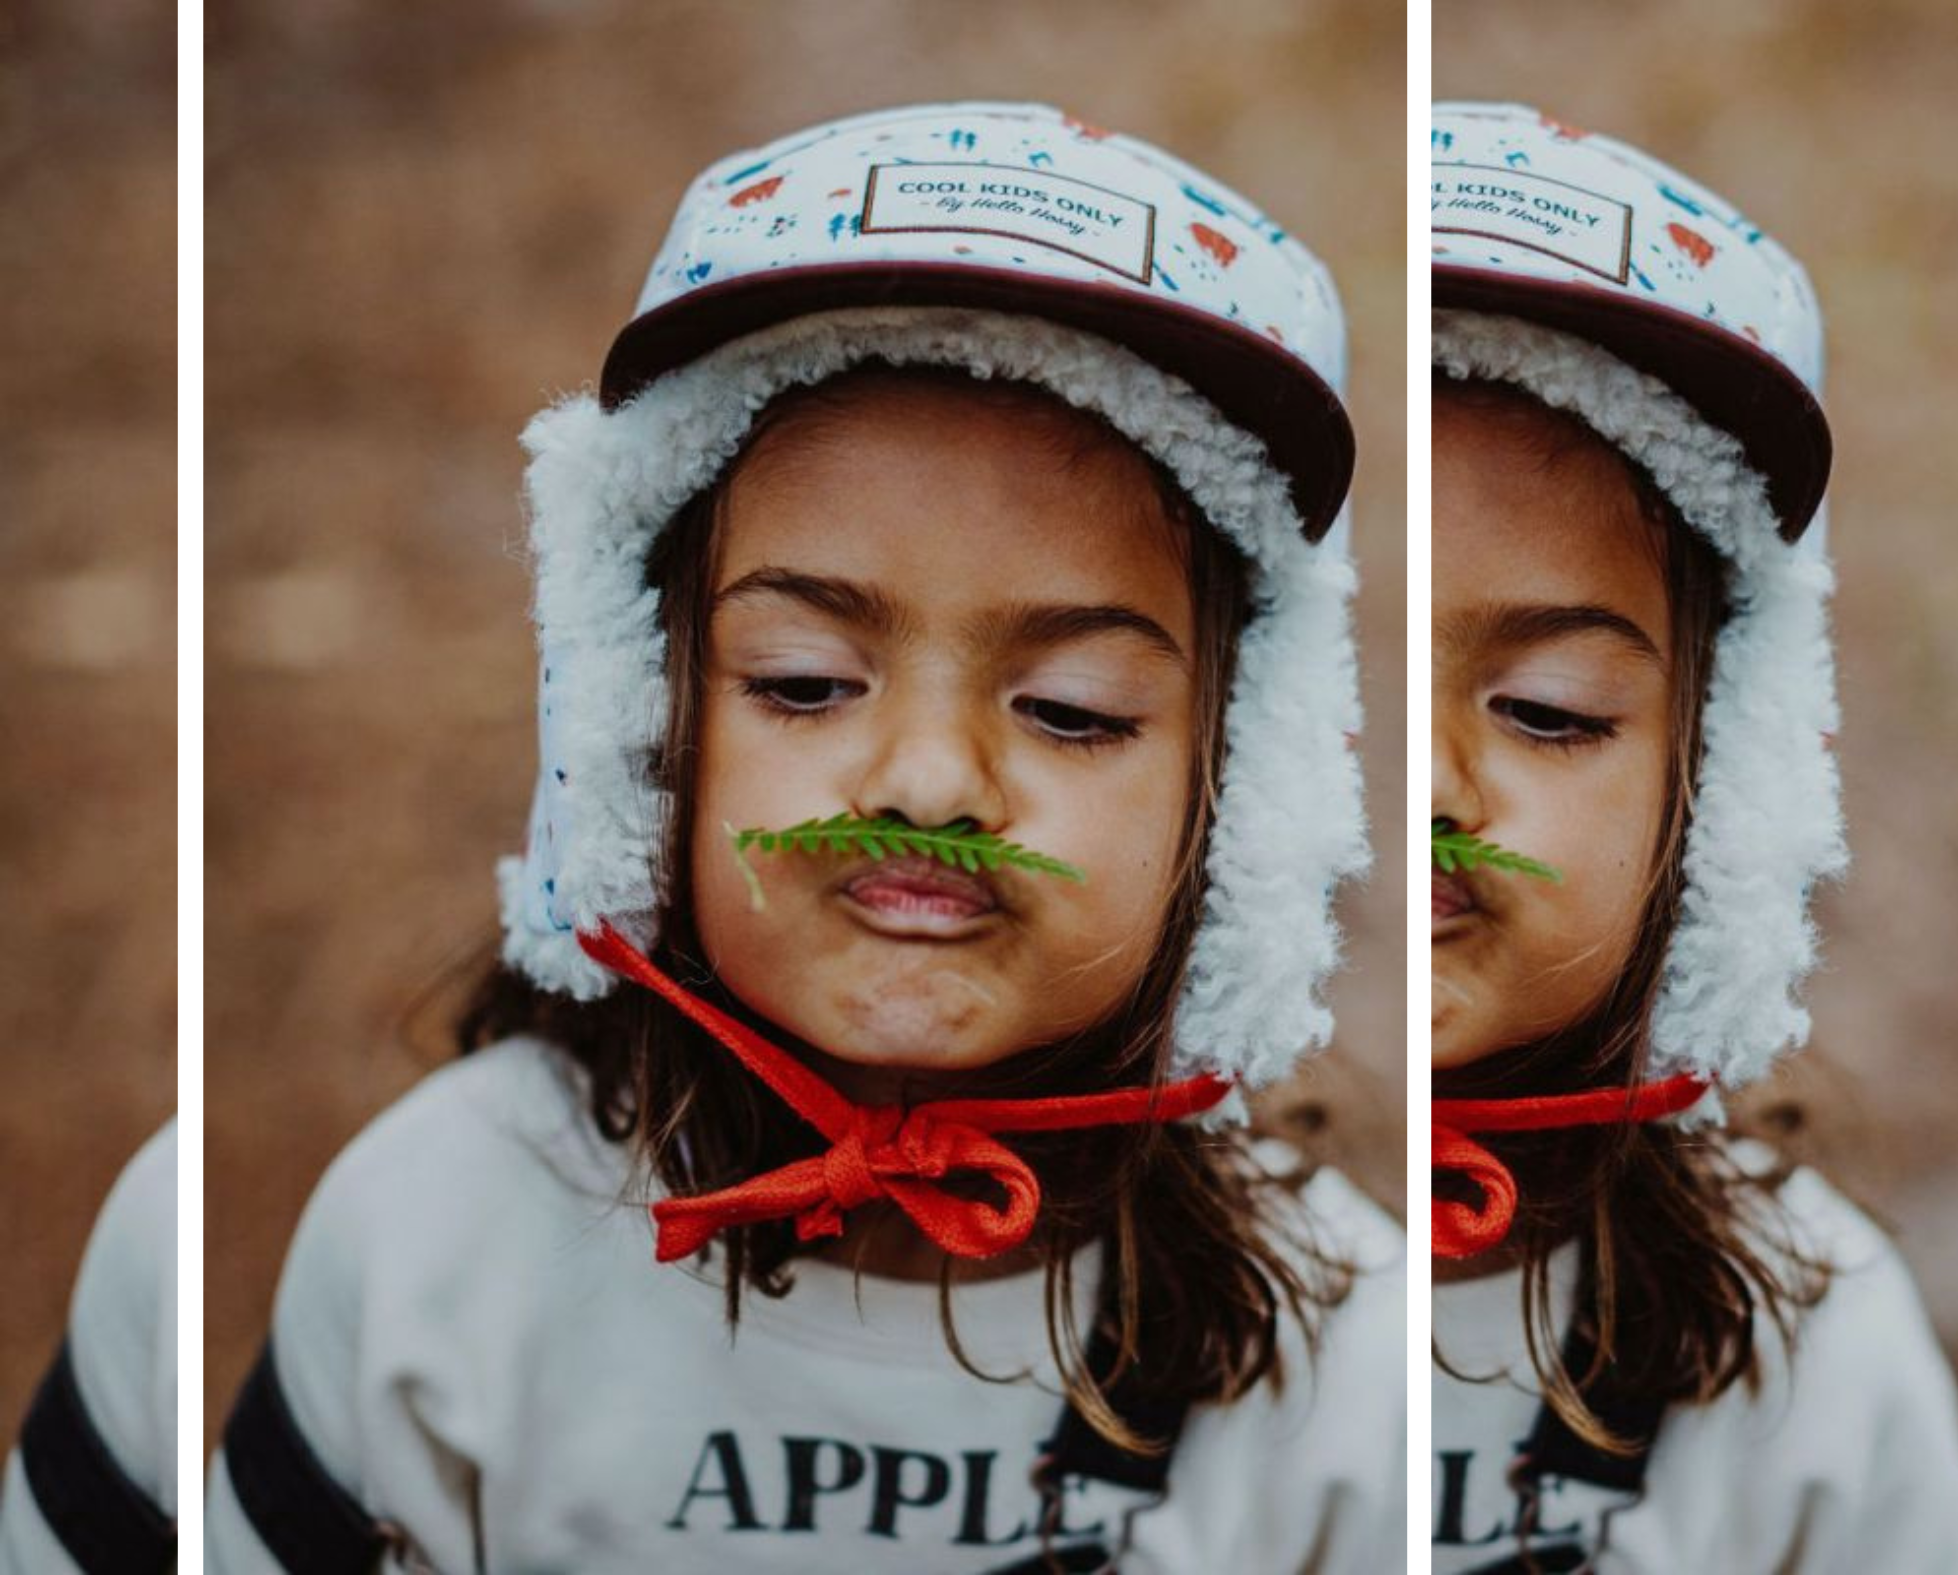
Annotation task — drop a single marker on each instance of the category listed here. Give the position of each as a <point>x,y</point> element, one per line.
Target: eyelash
<point>1070,726</point>
<point>775,694</point>
<point>1552,727</point>
<point>1076,727</point>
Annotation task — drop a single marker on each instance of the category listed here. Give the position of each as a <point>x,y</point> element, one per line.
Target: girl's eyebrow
<point>867,607</point>
<point>1058,623</point>
<point>1512,623</point>
<point>844,600</point>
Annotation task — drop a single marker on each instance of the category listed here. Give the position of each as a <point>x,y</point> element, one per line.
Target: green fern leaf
<point>1456,852</point>
<point>958,845</point>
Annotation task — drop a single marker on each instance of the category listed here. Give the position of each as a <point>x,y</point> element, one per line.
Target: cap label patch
<point>1036,206</point>
<point>1520,209</point>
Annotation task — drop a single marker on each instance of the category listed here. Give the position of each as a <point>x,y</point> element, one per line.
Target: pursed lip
<point>1452,902</point>
<point>917,897</point>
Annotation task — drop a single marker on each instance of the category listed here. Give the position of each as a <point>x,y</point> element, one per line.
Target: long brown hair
<point>1202,1254</point>
<point>1682,1247</point>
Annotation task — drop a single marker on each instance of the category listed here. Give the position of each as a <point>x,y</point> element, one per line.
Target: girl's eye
<point>1549,724</point>
<point>1073,724</point>
<point>799,695</point>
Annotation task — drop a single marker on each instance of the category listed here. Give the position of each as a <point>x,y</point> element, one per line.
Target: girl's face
<point>1552,718</point>
<point>934,603</point>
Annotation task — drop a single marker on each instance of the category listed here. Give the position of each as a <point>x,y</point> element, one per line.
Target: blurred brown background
<point>422,220</point>
<point>1832,126</point>
<point>87,635</point>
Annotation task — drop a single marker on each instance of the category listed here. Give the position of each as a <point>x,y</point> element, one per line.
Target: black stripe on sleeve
<point>106,1522</point>
<point>308,1521</point>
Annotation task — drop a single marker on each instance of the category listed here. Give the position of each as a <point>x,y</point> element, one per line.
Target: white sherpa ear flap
<point>1767,817</point>
<point>601,487</point>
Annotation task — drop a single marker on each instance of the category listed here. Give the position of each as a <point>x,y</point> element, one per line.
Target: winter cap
<point>1683,344</point>
<point>1011,242</point>
<point>1533,218</point>
<point>1016,208</point>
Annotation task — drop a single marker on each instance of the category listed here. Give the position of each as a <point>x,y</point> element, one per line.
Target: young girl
<point>957,502</point>
<point>1657,1350</point>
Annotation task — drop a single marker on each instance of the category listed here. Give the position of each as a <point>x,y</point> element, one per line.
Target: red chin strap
<point>883,1151</point>
<point>1461,1230</point>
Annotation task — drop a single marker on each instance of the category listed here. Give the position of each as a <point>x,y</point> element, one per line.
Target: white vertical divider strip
<point>190,784</point>
<point>1420,707</point>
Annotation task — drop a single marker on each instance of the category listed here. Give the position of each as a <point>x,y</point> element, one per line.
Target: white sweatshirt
<point>477,1343</point>
<point>122,1339</point>
<point>1846,1460</point>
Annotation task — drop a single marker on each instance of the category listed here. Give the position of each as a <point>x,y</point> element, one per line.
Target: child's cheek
<point>757,769</point>
<point>747,776</point>
<point>1128,830</point>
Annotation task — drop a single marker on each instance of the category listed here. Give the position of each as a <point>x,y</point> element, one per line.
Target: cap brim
<point>1733,382</point>
<point>1256,384</point>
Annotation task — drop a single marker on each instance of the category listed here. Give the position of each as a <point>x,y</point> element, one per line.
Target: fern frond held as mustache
<point>1457,851</point>
<point>957,844</point>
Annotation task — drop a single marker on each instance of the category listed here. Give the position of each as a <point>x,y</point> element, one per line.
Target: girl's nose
<point>931,765</point>
<point>1453,794</point>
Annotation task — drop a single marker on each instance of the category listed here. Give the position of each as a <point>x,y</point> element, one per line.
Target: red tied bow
<point>1461,1230</point>
<point>883,1151</point>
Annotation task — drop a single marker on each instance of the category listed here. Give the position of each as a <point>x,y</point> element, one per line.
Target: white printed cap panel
<point>1531,215</point>
<point>1012,208</point>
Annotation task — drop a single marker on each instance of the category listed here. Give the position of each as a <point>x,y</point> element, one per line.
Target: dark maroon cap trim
<point>1254,382</point>
<point>1733,382</point>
